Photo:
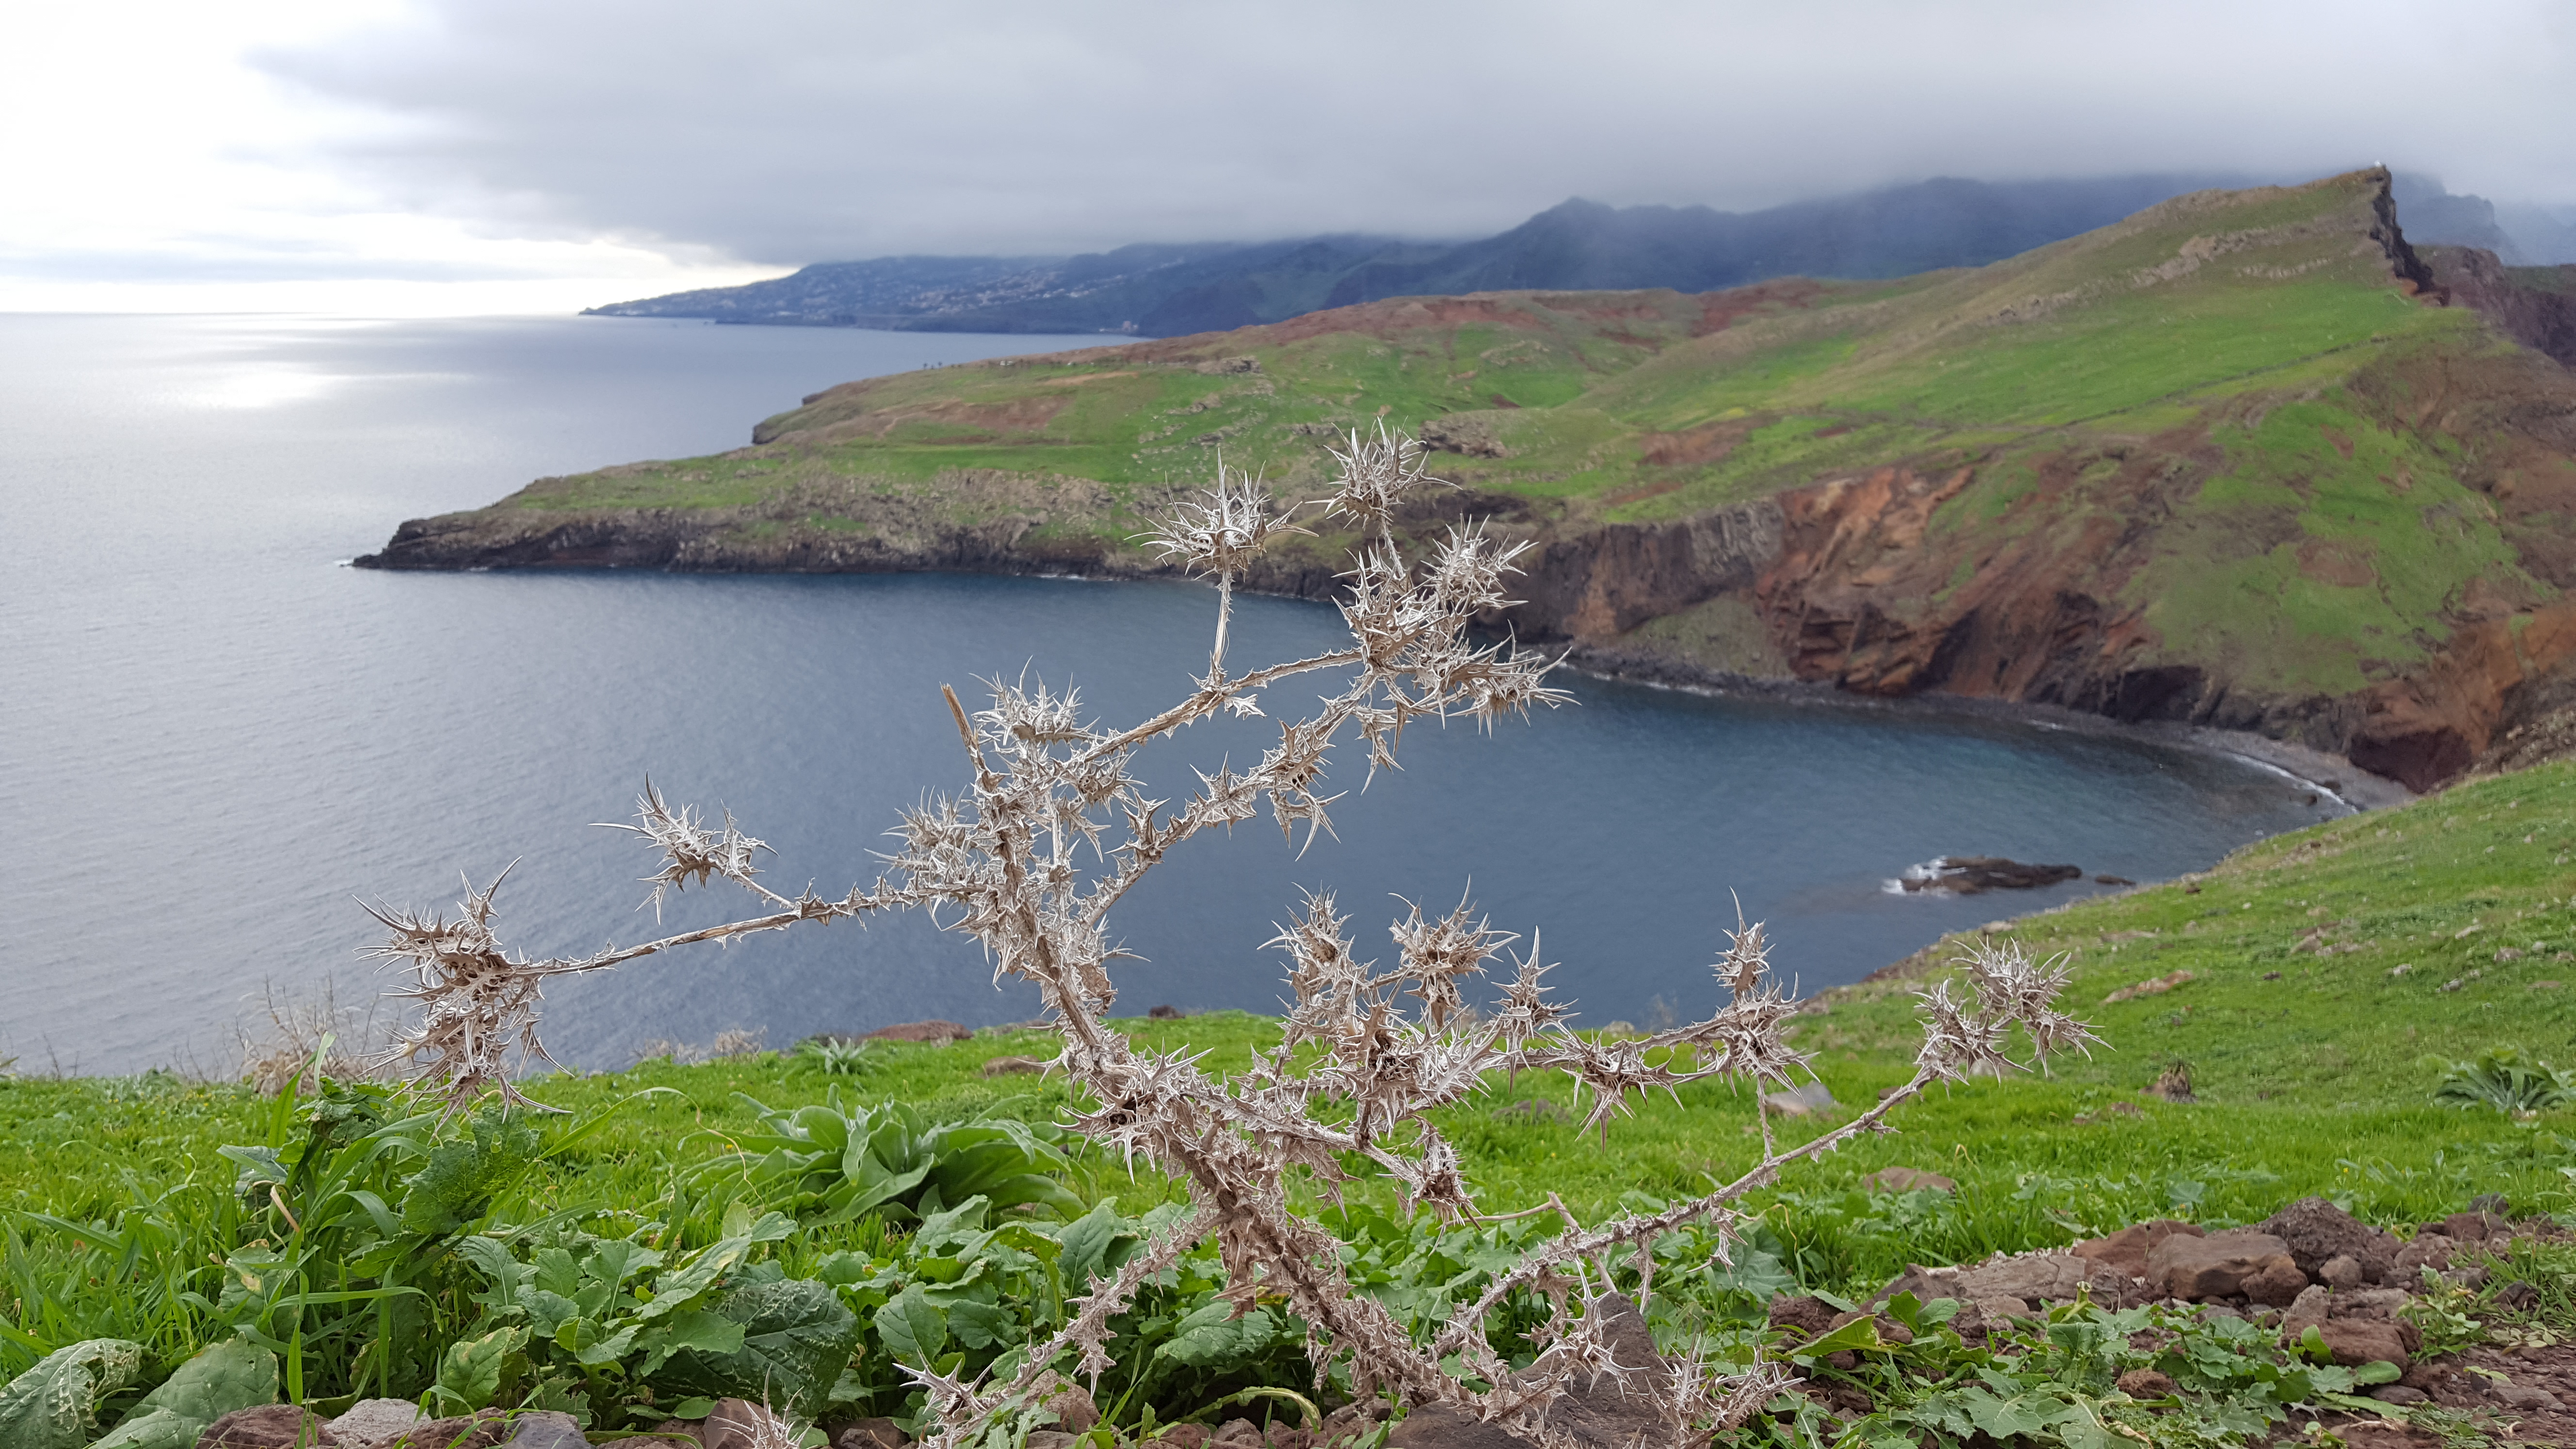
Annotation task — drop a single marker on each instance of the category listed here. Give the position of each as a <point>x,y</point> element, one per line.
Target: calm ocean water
<point>215,739</point>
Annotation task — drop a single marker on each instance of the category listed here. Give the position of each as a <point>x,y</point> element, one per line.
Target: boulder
<point>370,1422</point>
<point>2399,1394</point>
<point>2127,1249</point>
<point>2044,1278</point>
<point>2225,1265</point>
<point>2428,1250</point>
<point>869,1434</point>
<point>2356,1341</point>
<point>2370,1303</point>
<point>1594,1414</point>
<point>1907,1179</point>
<point>482,1429</point>
<point>544,1429</point>
<point>2526,1397</point>
<point>269,1426</point>
<point>2315,1232</point>
<point>1183,1436</point>
<point>1806,1317</point>
<point>1075,1413</point>
<point>2341,1271</point>
<point>2004,1310</point>
<point>2475,1227</point>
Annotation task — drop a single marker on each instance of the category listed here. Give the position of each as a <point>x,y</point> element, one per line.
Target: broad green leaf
<point>457,1183</point>
<point>154,1429</point>
<point>228,1376</point>
<point>790,1340</point>
<point>54,1404</point>
<point>1092,1246</point>
<point>980,1325</point>
<point>1212,1337</point>
<point>1860,1334</point>
<point>704,1330</point>
<point>2003,1418</point>
<point>912,1328</point>
<point>2377,1373</point>
<point>471,1372</point>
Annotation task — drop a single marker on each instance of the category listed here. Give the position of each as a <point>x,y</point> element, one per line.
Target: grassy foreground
<point>2312,1055</point>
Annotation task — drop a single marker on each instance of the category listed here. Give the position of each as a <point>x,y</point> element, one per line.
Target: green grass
<point>2314,1061</point>
<point>2310,1067</point>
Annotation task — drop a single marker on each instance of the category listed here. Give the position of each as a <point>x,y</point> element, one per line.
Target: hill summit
<point>2246,459</point>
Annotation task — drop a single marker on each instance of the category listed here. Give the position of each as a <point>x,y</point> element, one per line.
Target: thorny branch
<point>1054,830</point>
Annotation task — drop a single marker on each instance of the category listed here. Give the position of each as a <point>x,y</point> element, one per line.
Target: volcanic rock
<point>2127,1249</point>
<point>372,1421</point>
<point>1806,1316</point>
<point>2316,1231</point>
<point>1595,1412</point>
<point>2428,1250</point>
<point>269,1426</point>
<point>878,1433</point>
<point>1968,875</point>
<point>2225,1265</point>
<point>2042,1277</point>
<point>2356,1341</point>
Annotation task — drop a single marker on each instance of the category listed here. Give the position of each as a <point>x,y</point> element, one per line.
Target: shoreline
<point>2330,775</point>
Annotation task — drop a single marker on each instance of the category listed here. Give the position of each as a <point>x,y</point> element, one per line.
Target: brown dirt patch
<point>2341,562</point>
<point>1639,495</point>
<point>1719,310</point>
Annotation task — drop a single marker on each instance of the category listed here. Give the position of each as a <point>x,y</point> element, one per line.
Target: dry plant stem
<point>1054,830</point>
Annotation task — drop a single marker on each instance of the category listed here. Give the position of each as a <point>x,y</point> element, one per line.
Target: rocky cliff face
<point>2535,306</point>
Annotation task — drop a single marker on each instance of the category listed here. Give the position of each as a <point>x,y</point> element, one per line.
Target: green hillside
<point>2228,460</point>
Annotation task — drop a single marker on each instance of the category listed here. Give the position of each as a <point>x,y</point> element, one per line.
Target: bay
<point>216,740</point>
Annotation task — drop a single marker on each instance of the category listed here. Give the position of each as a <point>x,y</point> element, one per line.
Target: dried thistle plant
<point>1053,830</point>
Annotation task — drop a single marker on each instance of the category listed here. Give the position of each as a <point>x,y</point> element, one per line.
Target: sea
<point>220,744</point>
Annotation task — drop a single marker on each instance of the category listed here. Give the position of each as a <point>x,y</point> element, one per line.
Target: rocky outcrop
<point>2535,306</point>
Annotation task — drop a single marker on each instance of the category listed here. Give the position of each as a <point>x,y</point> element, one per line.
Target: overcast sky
<point>502,155</point>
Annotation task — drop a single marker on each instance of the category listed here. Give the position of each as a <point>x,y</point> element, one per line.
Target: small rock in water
<point>1968,875</point>
<point>2113,880</point>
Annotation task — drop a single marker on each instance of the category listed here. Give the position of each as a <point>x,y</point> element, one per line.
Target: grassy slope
<point>2310,1082</point>
<point>2282,400</point>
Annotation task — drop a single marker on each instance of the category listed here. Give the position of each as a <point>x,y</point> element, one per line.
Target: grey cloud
<point>799,130</point>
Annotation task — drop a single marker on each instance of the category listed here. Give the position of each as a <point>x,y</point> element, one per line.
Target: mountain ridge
<point>1158,290</point>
